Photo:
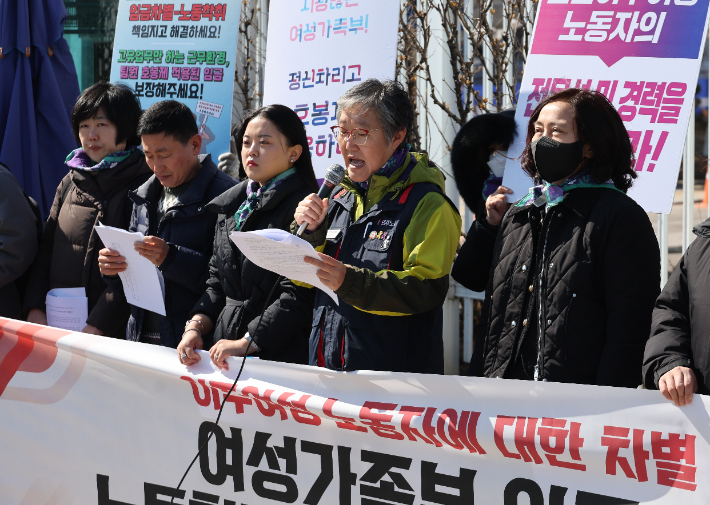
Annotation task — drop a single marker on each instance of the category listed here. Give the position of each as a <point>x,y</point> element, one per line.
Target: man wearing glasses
<point>386,240</point>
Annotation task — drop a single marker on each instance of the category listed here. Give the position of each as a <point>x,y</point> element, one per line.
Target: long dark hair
<point>290,126</point>
<point>599,124</point>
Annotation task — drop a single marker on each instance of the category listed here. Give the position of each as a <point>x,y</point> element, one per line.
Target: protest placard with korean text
<point>316,51</point>
<point>643,55</point>
<point>183,52</point>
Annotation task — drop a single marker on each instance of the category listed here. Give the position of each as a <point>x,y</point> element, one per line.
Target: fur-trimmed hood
<point>471,150</point>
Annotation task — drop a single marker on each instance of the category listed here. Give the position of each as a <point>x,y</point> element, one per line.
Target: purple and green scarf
<point>254,194</point>
<point>551,195</point>
<point>390,167</point>
<point>80,160</point>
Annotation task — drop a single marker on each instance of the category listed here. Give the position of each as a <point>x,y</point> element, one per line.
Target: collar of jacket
<point>703,229</point>
<point>228,202</point>
<point>380,186</point>
<point>107,181</point>
<point>580,201</point>
<point>149,192</point>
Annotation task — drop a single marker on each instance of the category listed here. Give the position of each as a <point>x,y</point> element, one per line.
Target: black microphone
<point>333,176</point>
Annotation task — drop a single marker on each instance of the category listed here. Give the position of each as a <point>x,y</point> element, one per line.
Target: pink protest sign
<point>615,29</point>
<point>643,55</point>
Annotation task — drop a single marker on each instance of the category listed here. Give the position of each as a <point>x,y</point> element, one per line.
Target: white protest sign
<point>317,50</point>
<point>644,56</point>
<point>209,108</point>
<point>94,420</point>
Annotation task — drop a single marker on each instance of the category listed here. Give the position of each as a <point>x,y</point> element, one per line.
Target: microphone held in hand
<point>333,176</point>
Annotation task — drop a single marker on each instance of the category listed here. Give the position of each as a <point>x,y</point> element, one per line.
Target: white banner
<point>91,420</point>
<point>316,51</point>
<point>645,57</point>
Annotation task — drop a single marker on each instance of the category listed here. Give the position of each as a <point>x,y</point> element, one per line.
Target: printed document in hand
<point>280,252</point>
<point>67,308</point>
<point>142,281</point>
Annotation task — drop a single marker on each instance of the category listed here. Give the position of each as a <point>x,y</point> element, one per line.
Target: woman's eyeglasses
<point>359,135</point>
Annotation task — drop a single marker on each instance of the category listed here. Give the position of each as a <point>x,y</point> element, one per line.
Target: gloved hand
<point>228,161</point>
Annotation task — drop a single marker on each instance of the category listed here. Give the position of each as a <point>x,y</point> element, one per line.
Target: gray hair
<point>388,99</point>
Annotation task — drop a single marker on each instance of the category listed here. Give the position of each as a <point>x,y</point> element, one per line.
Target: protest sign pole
<point>663,245</point>
<point>488,63</point>
<point>689,182</point>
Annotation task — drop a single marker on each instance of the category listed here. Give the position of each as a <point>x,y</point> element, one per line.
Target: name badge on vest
<point>332,234</point>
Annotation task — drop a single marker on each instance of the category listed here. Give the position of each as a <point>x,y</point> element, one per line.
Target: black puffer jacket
<point>237,288</point>
<point>188,228</point>
<point>596,277</point>
<point>680,327</point>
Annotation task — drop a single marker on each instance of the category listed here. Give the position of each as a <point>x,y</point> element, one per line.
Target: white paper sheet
<point>142,281</point>
<point>67,308</point>
<point>280,252</point>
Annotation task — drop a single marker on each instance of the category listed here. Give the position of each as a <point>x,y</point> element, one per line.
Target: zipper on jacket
<point>538,375</point>
<point>320,360</point>
<point>342,352</point>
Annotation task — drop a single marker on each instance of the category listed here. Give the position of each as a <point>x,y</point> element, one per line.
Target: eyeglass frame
<point>350,133</point>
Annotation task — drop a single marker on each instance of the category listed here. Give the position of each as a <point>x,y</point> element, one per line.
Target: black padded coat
<point>237,288</point>
<point>597,275</point>
<point>680,330</point>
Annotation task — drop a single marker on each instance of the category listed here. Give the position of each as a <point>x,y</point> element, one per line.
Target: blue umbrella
<point>38,88</point>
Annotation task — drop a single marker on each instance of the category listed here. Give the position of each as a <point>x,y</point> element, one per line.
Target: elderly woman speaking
<point>388,238</point>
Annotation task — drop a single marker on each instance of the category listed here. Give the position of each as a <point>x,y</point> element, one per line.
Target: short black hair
<point>118,102</point>
<point>599,124</point>
<point>390,102</point>
<point>171,118</point>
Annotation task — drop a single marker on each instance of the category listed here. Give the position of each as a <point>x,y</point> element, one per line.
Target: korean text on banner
<point>643,56</point>
<point>183,52</point>
<point>317,50</point>
<point>298,434</point>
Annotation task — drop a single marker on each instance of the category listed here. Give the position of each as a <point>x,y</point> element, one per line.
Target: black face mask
<point>554,160</point>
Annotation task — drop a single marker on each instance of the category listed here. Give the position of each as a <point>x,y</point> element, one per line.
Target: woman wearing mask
<point>102,171</point>
<point>478,158</point>
<point>273,151</point>
<point>576,266</point>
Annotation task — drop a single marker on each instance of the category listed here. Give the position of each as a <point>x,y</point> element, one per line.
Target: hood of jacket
<point>703,229</point>
<point>404,176</point>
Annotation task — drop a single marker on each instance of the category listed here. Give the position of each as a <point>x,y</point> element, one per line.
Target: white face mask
<point>497,161</point>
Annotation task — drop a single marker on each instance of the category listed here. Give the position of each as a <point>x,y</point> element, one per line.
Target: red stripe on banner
<point>18,352</point>
<point>14,359</point>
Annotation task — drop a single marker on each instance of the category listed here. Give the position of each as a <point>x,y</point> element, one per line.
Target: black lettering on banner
<point>347,478</point>
<point>557,495</point>
<point>205,498</point>
<point>517,486</point>
<point>259,450</point>
<point>382,464</point>
<point>103,492</point>
<point>325,452</point>
<point>584,498</point>
<point>233,444</point>
<point>463,483</point>
<point>153,492</point>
